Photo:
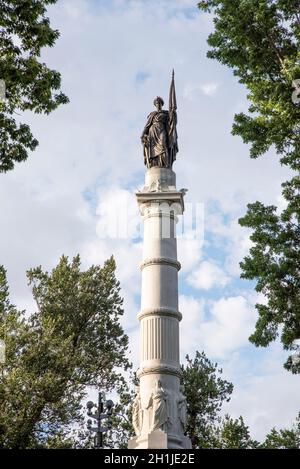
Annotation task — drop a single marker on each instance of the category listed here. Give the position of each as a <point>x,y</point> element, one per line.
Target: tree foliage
<point>233,434</point>
<point>30,84</point>
<point>73,340</point>
<point>274,261</point>
<point>205,391</point>
<point>121,420</point>
<point>259,40</point>
<point>284,439</point>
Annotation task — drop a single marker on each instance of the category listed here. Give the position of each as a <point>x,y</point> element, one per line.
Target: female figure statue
<point>159,137</point>
<point>182,408</point>
<point>137,413</point>
<point>158,402</point>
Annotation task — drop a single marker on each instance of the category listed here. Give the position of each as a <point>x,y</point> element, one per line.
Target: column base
<point>158,439</point>
<point>186,442</point>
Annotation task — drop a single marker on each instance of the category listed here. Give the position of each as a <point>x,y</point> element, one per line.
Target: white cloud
<point>115,223</point>
<point>192,311</point>
<point>118,215</point>
<point>192,91</point>
<point>265,394</point>
<point>227,326</point>
<point>281,203</point>
<point>232,238</point>
<point>207,276</point>
<point>210,89</point>
<point>239,247</point>
<point>220,327</point>
<point>189,252</point>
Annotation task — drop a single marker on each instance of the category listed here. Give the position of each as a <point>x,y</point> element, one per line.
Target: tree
<point>72,341</point>
<point>275,261</point>
<point>121,420</point>
<point>259,40</point>
<point>205,391</point>
<point>284,439</point>
<point>29,83</point>
<point>233,434</point>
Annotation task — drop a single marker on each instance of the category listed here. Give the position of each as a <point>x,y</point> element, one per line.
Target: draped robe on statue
<point>156,151</point>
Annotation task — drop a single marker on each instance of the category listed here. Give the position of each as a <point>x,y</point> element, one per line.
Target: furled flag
<point>173,145</point>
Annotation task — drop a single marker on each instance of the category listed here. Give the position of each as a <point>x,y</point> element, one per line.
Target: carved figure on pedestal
<point>182,408</point>
<point>158,403</point>
<point>137,413</point>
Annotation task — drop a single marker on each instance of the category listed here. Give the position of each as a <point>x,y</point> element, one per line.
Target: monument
<point>159,408</point>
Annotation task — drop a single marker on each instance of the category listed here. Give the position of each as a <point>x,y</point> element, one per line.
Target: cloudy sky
<point>115,56</point>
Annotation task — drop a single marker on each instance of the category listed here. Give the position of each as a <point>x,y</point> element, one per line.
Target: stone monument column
<point>159,409</point>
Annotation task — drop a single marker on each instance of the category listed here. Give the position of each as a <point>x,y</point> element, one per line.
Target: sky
<point>115,57</point>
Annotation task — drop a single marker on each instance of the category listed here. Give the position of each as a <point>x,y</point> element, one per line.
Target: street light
<point>99,415</point>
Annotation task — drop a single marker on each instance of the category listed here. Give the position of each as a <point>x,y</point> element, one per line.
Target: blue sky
<point>115,56</point>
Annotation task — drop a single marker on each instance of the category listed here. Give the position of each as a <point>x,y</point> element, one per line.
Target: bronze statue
<point>159,137</point>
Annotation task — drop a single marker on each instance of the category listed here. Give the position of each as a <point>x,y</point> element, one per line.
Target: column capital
<point>159,201</point>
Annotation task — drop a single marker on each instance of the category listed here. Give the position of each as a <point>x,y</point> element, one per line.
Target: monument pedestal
<point>157,439</point>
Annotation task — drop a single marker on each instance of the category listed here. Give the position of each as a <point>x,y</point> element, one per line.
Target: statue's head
<point>158,102</point>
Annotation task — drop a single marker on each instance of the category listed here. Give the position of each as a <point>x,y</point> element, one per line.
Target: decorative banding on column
<point>160,260</point>
<point>161,311</point>
<point>170,215</point>
<point>159,369</point>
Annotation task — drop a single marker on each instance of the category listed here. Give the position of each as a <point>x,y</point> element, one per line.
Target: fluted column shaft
<point>159,398</point>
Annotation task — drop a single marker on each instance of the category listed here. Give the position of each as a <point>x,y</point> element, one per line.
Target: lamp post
<point>99,415</point>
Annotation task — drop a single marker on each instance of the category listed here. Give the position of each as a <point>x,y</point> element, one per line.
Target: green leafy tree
<point>259,40</point>
<point>73,340</point>
<point>121,420</point>
<point>205,391</point>
<point>284,439</point>
<point>233,434</point>
<point>30,84</point>
<point>274,260</point>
